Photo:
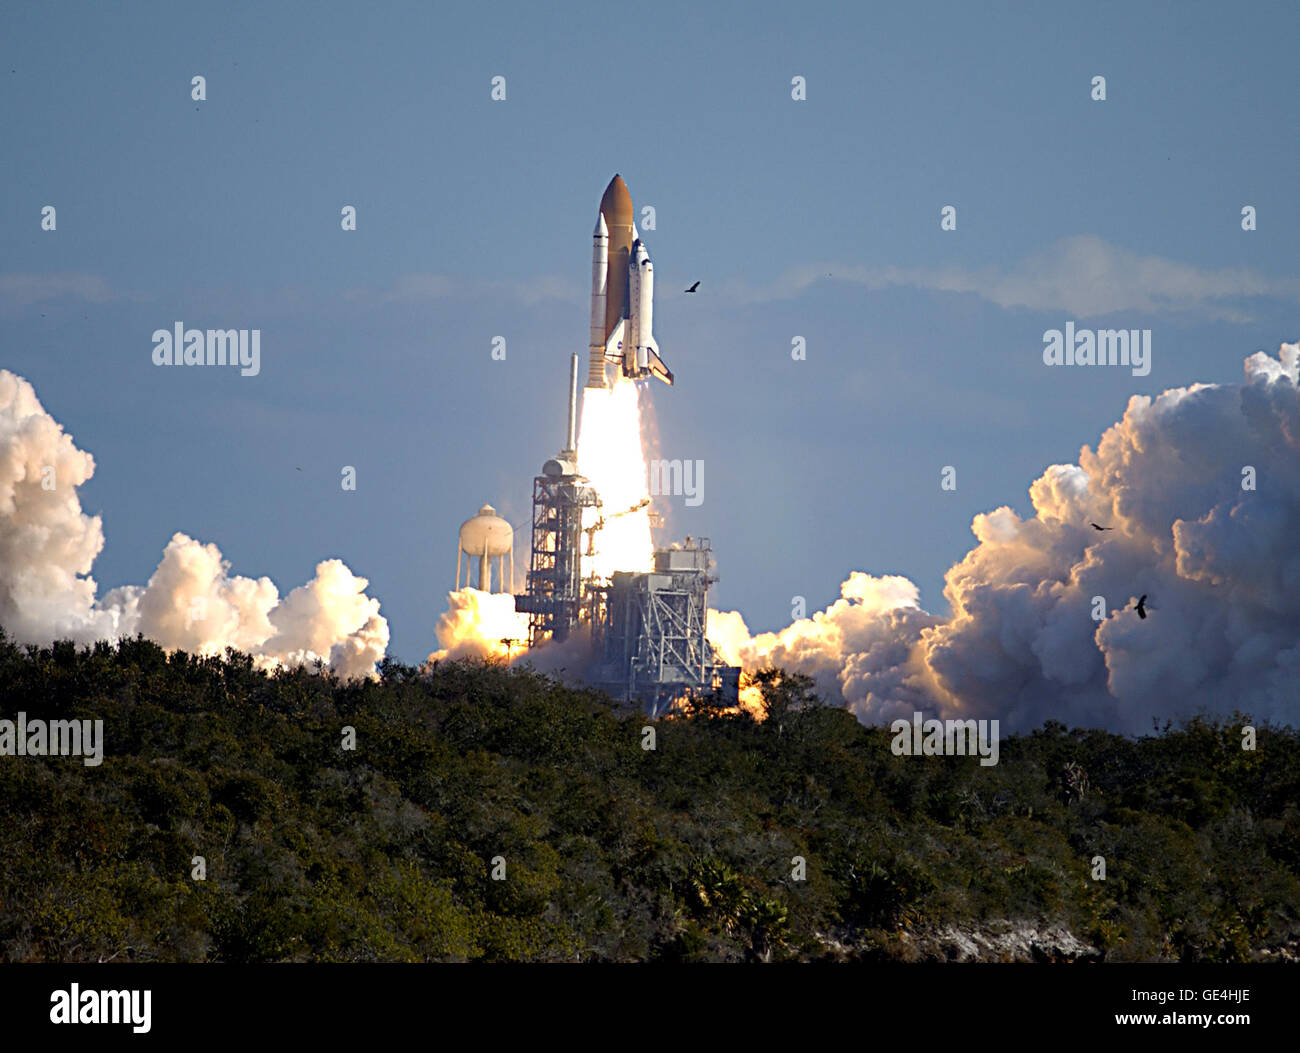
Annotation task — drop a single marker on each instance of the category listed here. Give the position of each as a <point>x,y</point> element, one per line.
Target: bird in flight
<point>1141,607</point>
<point>693,287</point>
<point>1096,527</point>
<point>299,469</point>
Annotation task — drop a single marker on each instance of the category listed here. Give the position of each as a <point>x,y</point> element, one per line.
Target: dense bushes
<point>610,851</point>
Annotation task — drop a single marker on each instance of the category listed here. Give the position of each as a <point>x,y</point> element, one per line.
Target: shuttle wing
<point>658,369</point>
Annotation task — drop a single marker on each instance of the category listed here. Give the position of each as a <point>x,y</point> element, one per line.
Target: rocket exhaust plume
<point>192,602</point>
<point>611,457</point>
<point>480,625</point>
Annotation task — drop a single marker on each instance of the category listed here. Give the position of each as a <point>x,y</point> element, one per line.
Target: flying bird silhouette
<point>1141,607</point>
<point>693,287</point>
<point>1096,527</point>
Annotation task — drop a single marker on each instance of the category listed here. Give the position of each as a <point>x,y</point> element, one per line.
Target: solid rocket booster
<point>622,295</point>
<point>599,283</point>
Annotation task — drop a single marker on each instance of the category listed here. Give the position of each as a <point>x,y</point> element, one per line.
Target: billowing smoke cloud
<point>1202,487</point>
<point>48,545</point>
<point>477,625</point>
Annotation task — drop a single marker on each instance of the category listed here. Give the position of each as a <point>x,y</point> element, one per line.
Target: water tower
<point>486,537</point>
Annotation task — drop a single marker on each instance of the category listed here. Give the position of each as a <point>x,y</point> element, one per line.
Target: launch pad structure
<point>652,638</point>
<point>648,629</point>
<point>554,598</point>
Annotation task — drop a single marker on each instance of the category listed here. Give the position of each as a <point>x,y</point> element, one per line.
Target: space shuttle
<point>622,295</point>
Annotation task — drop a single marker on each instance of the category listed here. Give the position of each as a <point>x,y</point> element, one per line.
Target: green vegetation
<point>612,852</point>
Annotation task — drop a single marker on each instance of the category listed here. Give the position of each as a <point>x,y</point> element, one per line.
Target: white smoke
<point>48,545</point>
<point>1216,560</point>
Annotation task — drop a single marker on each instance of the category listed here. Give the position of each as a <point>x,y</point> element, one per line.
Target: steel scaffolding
<point>651,642</point>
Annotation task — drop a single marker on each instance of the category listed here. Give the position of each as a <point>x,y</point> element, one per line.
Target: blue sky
<point>225,213</point>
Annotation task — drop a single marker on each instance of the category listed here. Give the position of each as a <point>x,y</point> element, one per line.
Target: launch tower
<point>555,595</point>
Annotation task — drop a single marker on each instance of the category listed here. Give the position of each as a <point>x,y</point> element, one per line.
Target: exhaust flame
<point>480,625</point>
<point>610,455</point>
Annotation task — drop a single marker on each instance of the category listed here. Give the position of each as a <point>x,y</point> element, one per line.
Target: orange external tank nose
<point>616,207</point>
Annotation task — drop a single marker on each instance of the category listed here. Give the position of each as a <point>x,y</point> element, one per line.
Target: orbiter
<point>622,294</point>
